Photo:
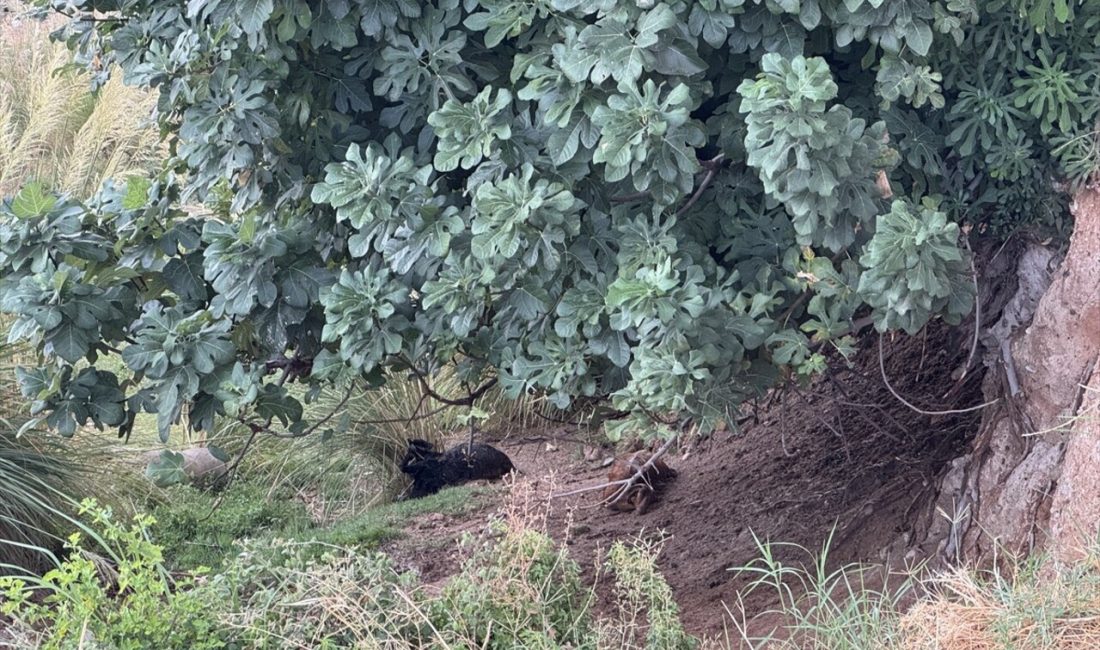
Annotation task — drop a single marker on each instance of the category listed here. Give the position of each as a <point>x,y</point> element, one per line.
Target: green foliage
<point>669,204</point>
<point>639,587</point>
<point>648,137</point>
<point>196,528</point>
<point>907,262</point>
<point>788,123</point>
<point>467,132</point>
<point>523,591</point>
<point>142,609</point>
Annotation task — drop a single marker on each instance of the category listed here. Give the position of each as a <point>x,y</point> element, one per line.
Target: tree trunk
<point>1031,480</point>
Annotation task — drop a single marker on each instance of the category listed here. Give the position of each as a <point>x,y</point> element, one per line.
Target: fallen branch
<point>625,483</point>
<point>590,488</point>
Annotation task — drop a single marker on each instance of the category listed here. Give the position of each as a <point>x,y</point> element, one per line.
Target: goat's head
<point>417,452</point>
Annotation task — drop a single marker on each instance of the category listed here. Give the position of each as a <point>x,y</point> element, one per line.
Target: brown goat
<point>642,494</point>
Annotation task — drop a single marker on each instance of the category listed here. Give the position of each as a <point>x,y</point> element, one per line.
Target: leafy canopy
<point>668,203</point>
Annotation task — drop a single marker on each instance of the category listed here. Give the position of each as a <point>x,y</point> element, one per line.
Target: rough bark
<point>1031,479</point>
<point>1075,509</point>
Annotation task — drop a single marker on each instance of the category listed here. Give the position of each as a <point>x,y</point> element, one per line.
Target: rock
<point>195,466</point>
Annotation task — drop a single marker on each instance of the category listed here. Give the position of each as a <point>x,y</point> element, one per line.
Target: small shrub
<point>518,589</point>
<point>138,608</point>
<point>640,589</point>
<point>521,592</point>
<point>310,595</point>
<point>198,528</point>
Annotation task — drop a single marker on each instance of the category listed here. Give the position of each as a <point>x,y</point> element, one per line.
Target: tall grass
<point>33,483</point>
<point>43,478</point>
<point>1019,604</point>
<point>54,129</point>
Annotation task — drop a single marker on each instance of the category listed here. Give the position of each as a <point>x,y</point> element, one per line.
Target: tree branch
<point>625,483</point>
<point>712,166</point>
<point>461,401</point>
<point>629,198</point>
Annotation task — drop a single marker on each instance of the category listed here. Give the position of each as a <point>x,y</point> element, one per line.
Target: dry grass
<point>1037,605</point>
<point>1032,604</point>
<point>54,129</point>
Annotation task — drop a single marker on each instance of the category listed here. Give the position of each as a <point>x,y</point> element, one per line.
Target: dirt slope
<point>842,452</point>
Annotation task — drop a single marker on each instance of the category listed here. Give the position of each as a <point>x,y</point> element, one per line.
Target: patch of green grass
<point>195,533</point>
<point>383,523</point>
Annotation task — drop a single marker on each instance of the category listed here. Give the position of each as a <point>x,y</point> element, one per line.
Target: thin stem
<point>882,370</point>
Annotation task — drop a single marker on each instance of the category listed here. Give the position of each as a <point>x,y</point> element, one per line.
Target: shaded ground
<point>842,452</point>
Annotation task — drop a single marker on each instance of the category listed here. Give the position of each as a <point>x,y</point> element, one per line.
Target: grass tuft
<point>1035,604</point>
<point>850,607</point>
<point>54,129</point>
<point>383,523</point>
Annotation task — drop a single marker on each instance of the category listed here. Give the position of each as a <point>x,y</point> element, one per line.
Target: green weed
<point>199,528</point>
<point>642,594</point>
<point>127,604</point>
<point>851,607</point>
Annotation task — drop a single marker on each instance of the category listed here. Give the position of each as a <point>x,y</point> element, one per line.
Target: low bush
<point>642,594</point>
<point>288,594</point>
<point>522,591</point>
<point>518,589</point>
<point>199,528</point>
<point>128,604</point>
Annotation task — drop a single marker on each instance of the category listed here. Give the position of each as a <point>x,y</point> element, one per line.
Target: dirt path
<point>841,453</point>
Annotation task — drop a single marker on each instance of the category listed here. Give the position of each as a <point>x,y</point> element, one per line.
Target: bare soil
<point>839,454</point>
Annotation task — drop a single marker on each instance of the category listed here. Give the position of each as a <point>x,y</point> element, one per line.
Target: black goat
<point>431,470</point>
